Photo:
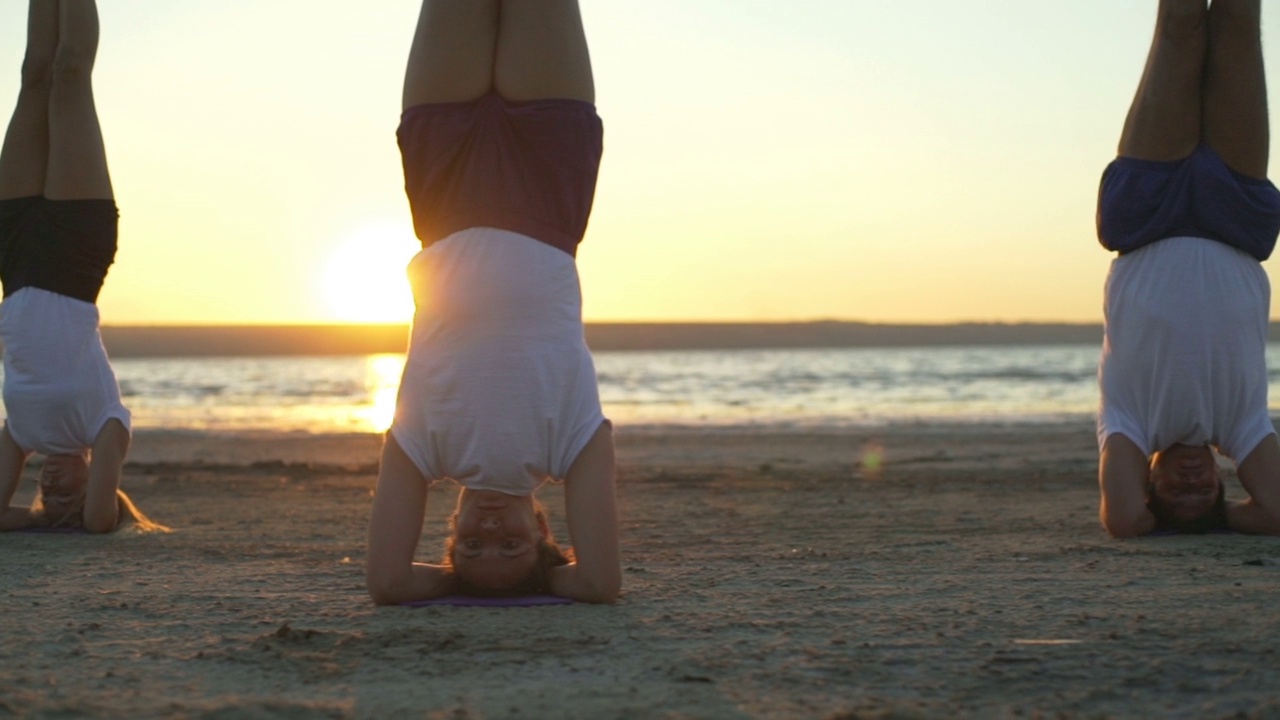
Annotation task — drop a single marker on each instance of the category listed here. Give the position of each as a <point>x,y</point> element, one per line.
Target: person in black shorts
<point>58,223</point>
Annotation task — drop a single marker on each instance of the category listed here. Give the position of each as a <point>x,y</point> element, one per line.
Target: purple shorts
<point>1145,201</point>
<point>63,246</point>
<point>526,167</point>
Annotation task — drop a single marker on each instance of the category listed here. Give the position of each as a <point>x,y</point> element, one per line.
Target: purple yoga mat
<point>464,601</point>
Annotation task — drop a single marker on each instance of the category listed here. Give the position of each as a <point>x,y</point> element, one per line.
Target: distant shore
<point>265,340</point>
<point>233,341</point>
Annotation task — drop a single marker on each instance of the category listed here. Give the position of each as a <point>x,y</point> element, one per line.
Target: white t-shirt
<point>59,389</point>
<point>1183,360</point>
<point>499,390</point>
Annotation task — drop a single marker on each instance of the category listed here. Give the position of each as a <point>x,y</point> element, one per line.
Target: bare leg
<point>1164,121</point>
<point>26,145</point>
<point>452,55</point>
<point>542,52</point>
<point>77,157</point>
<point>1236,125</point>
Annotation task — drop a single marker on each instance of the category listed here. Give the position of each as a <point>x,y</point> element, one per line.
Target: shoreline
<point>235,448</point>
<point>140,341</point>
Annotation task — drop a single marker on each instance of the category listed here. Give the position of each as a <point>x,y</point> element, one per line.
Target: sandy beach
<point>767,575</point>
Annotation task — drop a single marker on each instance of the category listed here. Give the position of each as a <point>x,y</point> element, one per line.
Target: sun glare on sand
<point>364,280</point>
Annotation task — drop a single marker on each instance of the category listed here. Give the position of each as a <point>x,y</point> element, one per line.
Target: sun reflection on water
<point>382,381</point>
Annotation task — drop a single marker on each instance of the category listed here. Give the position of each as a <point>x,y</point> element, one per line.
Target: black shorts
<point>63,246</point>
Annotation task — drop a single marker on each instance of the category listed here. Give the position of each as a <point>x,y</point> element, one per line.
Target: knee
<point>37,72</point>
<point>72,64</point>
<point>383,589</point>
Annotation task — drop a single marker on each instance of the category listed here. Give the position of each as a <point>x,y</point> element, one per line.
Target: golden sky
<point>929,161</point>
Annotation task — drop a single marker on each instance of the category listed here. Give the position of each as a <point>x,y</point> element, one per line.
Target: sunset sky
<point>925,161</point>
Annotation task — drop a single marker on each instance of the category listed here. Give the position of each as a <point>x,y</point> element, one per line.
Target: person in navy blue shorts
<point>1190,211</point>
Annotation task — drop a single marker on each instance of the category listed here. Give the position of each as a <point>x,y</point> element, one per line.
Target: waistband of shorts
<point>494,97</point>
<point>1203,150</point>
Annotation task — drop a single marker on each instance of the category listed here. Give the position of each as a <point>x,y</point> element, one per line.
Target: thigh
<point>1164,121</point>
<point>542,52</point>
<point>1236,123</point>
<point>452,55</point>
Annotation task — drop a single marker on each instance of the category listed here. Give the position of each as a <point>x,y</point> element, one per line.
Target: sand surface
<point>767,575</point>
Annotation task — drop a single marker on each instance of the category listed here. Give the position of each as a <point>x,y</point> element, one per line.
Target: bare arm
<point>1122,476</point>
<point>394,530</point>
<point>1260,476</point>
<point>592,513</point>
<point>101,510</point>
<point>12,461</point>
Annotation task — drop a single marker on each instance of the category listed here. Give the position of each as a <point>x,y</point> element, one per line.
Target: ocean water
<point>723,389</point>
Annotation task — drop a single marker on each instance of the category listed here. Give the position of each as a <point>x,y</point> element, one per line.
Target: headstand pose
<point>501,146</point>
<point>1188,207</point>
<point>57,239</point>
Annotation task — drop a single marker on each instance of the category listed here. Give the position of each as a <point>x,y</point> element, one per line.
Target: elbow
<point>1125,528</point>
<point>99,526</point>
<point>603,591</point>
<point>100,523</point>
<point>381,593</point>
<point>1123,521</point>
<point>605,597</point>
<point>385,588</point>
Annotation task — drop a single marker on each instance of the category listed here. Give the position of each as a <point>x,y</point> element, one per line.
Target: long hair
<point>126,514</point>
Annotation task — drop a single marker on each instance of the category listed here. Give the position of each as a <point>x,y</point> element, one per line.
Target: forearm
<point>1122,473</point>
<point>101,512</point>
<point>1252,519</point>
<point>1125,520</point>
<point>12,461</point>
<point>16,518</point>
<point>592,512</point>
<point>101,504</point>
<point>572,581</point>
<point>419,581</point>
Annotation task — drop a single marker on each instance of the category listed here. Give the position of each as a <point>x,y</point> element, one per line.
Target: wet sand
<point>779,575</point>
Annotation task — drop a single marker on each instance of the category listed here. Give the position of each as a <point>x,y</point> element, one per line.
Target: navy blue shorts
<point>63,246</point>
<point>526,167</point>
<point>1145,201</point>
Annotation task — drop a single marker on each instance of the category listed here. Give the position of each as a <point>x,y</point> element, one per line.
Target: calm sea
<point>736,388</point>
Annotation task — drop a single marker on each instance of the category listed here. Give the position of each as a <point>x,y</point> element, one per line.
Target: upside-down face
<point>496,539</point>
<point>1185,479</point>
<point>62,484</point>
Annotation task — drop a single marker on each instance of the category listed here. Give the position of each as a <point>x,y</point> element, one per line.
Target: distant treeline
<point>368,339</point>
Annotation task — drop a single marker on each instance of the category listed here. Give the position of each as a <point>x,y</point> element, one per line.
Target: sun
<point>364,279</point>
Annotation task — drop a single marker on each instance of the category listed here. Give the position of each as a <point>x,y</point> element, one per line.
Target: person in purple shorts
<point>1189,210</point>
<point>501,147</point>
<point>58,224</point>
